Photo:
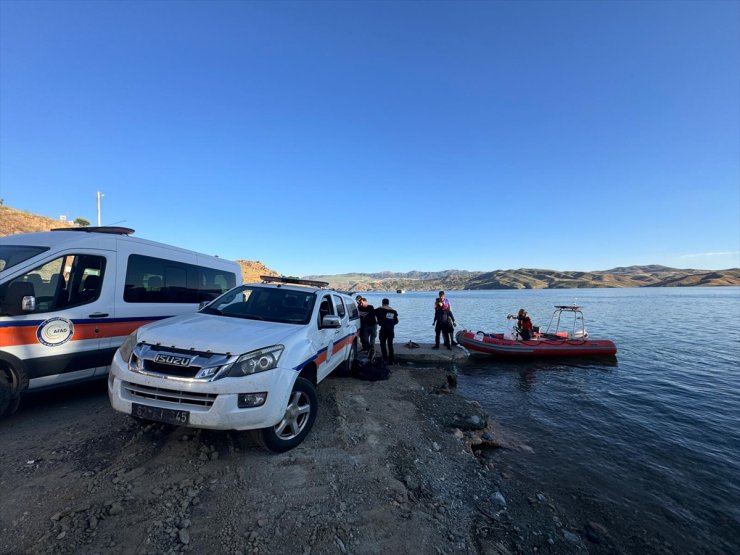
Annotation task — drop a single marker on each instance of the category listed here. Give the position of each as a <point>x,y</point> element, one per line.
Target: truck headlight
<point>127,348</point>
<point>256,361</point>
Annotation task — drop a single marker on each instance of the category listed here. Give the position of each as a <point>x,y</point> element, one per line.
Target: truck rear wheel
<point>297,421</point>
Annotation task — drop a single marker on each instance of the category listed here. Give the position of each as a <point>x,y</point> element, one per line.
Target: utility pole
<point>100,195</point>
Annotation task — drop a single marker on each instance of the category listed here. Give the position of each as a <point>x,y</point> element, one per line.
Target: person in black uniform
<point>444,323</point>
<point>368,324</point>
<point>387,319</point>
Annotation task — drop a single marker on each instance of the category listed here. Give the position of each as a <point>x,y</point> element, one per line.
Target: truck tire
<point>351,359</point>
<point>297,421</point>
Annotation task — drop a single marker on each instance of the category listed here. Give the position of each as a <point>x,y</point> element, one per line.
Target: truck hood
<point>218,334</point>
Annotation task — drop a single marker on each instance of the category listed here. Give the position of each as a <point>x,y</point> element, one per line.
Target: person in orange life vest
<point>446,305</point>
<point>524,323</point>
<point>444,322</point>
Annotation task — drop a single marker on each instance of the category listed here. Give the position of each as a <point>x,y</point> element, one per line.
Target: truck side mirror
<point>331,322</point>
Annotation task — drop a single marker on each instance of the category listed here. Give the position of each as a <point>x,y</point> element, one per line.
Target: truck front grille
<point>137,391</point>
<point>170,369</point>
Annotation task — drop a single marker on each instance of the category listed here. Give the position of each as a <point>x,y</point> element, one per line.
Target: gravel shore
<point>397,466</point>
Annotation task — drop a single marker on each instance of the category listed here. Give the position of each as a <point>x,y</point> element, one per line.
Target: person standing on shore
<point>368,324</point>
<point>445,304</point>
<point>444,322</point>
<point>387,319</point>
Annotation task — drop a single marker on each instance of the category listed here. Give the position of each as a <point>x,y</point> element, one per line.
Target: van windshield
<point>286,306</point>
<point>10,255</point>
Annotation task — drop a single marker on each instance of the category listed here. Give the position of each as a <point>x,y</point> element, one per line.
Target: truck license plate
<point>168,416</point>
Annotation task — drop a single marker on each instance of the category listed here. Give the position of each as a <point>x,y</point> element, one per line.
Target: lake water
<point>651,441</point>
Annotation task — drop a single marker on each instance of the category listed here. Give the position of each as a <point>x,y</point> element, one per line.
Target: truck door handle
<point>97,315</point>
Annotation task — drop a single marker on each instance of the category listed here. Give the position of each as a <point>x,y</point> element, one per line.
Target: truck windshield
<point>10,255</point>
<point>286,306</point>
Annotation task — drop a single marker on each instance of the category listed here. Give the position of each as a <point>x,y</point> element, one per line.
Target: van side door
<point>61,339</point>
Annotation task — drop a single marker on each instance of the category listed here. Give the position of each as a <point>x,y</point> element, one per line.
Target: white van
<point>69,298</point>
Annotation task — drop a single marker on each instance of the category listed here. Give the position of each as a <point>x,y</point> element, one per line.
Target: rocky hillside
<point>253,269</point>
<point>531,278</point>
<point>14,221</point>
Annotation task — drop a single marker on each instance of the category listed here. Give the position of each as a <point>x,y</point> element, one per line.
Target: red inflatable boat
<point>558,343</point>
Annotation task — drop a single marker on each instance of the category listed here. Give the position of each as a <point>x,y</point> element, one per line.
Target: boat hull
<point>494,344</point>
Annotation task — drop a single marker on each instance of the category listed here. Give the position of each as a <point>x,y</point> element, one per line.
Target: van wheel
<point>6,393</point>
<point>297,421</point>
<point>13,382</point>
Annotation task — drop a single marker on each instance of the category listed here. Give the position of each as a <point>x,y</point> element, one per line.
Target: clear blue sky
<point>329,137</point>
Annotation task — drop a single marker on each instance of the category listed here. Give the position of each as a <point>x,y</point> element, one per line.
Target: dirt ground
<point>398,466</point>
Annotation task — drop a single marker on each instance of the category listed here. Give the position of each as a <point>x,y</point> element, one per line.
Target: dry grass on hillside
<point>252,270</point>
<point>14,221</point>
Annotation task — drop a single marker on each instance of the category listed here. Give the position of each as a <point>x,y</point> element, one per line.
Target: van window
<point>69,280</point>
<point>10,255</point>
<point>157,280</point>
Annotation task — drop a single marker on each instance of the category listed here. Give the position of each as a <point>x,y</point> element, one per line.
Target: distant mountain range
<point>17,221</point>
<point>530,278</point>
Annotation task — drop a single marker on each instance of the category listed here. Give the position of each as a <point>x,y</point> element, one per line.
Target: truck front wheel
<point>297,421</point>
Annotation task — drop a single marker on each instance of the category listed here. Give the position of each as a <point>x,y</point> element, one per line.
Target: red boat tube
<point>494,344</point>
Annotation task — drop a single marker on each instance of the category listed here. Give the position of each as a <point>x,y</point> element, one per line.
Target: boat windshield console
<point>568,323</point>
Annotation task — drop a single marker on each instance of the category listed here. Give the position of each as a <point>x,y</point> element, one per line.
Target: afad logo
<point>55,331</point>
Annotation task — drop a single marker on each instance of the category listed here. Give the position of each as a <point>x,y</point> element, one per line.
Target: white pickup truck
<point>249,360</point>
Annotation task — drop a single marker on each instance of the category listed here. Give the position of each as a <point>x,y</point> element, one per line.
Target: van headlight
<point>127,348</point>
<point>256,361</point>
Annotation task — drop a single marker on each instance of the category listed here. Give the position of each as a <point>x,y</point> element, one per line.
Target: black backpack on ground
<point>370,367</point>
